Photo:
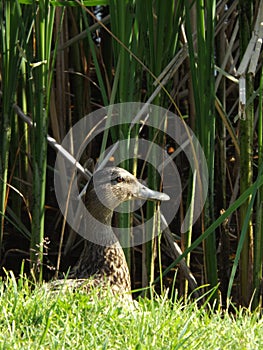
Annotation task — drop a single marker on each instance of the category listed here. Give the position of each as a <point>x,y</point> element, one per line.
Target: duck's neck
<point>106,260</point>
<point>99,220</point>
<point>100,212</point>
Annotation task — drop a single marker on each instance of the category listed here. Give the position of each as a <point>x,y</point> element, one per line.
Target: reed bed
<point>61,60</point>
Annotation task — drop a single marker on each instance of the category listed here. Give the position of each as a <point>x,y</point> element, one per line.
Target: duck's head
<point>114,185</point>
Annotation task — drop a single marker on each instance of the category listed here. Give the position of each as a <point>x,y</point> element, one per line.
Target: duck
<point>102,262</point>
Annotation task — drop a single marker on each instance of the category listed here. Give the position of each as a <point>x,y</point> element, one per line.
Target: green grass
<point>41,319</point>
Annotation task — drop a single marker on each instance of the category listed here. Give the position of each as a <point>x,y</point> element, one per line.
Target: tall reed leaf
<point>258,248</point>
<point>210,230</point>
<point>202,71</point>
<point>246,161</point>
<point>11,39</point>
<point>43,15</point>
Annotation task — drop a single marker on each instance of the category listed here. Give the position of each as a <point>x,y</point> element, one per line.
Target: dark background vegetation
<point>61,60</point>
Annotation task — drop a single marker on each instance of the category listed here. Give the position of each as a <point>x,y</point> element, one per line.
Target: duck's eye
<point>120,179</point>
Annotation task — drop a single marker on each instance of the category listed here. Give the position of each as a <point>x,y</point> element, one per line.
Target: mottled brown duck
<point>104,263</point>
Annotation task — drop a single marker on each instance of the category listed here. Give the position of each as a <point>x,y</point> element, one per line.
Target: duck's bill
<point>145,193</point>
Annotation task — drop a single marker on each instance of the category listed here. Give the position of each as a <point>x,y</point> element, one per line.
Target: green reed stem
<point>258,246</point>
<point>233,207</point>
<point>246,161</point>
<point>11,35</point>
<point>202,71</point>
<point>40,88</point>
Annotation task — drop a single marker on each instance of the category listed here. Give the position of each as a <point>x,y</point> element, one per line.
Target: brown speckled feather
<point>106,265</point>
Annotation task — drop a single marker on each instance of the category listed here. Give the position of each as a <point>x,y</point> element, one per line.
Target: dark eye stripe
<point>118,179</point>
